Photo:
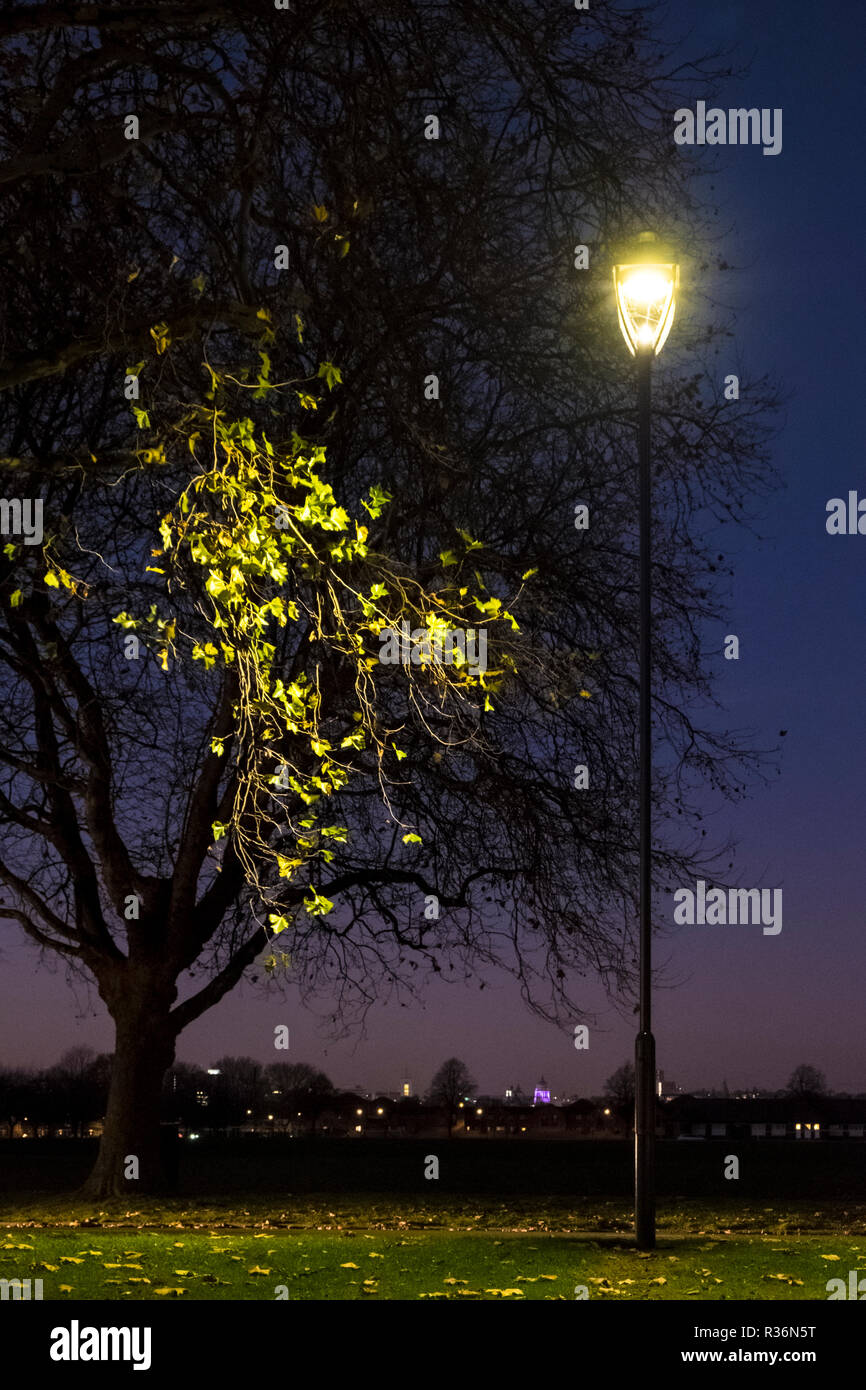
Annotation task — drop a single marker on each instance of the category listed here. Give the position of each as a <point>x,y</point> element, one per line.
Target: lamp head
<point>645,287</point>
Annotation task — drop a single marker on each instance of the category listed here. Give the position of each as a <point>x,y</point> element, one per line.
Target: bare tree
<point>806,1081</point>
<point>451,1085</point>
<point>620,1088</point>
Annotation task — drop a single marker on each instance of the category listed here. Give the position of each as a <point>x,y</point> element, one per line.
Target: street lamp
<point>645,288</point>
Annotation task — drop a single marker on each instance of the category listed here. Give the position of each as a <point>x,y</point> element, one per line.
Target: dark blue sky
<point>749,1007</point>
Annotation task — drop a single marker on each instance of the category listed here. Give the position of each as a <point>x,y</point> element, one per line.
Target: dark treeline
<point>73,1093</point>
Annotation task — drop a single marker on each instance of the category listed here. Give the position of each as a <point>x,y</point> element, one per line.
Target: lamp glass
<point>645,302</point>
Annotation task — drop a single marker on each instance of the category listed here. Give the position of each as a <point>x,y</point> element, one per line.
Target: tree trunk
<point>129,1162</point>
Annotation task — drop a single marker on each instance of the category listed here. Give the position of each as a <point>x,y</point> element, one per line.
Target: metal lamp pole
<point>645,289</point>
<point>645,1048</point>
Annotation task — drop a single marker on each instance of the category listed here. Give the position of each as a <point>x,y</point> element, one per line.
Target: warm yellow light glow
<point>479,1112</point>
<point>645,302</point>
<point>380,1111</point>
<point>607,1112</point>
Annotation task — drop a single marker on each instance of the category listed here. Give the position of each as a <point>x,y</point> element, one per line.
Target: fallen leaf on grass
<point>255,1270</point>
<point>176,1292</point>
<point>829,1257</point>
<point>349,1266</point>
<point>66,1288</point>
<point>53,1268</point>
<point>72,1259</point>
<point>661,1280</point>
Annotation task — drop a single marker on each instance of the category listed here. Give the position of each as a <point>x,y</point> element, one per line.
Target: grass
<point>338,1220</point>
<point>376,1246</point>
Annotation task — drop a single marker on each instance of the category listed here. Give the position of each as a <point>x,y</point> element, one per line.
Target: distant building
<point>542,1093</point>
<point>765,1117</point>
<point>666,1090</point>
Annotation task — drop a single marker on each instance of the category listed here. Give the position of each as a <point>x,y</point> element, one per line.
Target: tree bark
<point>129,1162</point>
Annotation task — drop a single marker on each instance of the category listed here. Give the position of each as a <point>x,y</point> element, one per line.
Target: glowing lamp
<point>646,298</point>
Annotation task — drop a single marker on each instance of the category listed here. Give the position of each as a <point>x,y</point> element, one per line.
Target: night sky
<point>739,1006</point>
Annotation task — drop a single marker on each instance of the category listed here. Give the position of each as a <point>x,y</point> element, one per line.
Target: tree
<point>483,389</point>
<point>295,1088</point>
<point>238,1092</point>
<point>449,1087</point>
<point>17,1092</point>
<point>80,1080</point>
<point>620,1088</point>
<point>807,1082</point>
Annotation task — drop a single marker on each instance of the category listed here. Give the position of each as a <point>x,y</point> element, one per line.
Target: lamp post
<point>645,297</point>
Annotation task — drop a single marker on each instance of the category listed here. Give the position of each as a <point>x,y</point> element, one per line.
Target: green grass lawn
<point>387,1247</point>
